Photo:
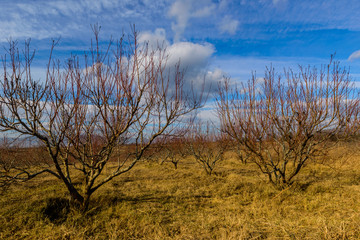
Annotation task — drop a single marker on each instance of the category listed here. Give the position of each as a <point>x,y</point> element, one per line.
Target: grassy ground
<point>158,202</point>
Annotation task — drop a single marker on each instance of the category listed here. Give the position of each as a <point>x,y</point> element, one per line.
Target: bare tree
<point>9,159</point>
<point>108,107</point>
<point>207,145</point>
<point>16,155</point>
<point>174,150</point>
<point>283,121</point>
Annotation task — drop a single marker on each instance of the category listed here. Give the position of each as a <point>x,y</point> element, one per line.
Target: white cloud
<point>190,54</point>
<point>228,25</point>
<point>194,59</point>
<point>181,11</point>
<point>216,75</point>
<point>154,39</point>
<point>354,55</point>
<point>184,10</point>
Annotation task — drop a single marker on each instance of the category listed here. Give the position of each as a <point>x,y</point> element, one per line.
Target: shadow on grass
<point>56,210</point>
<point>103,202</point>
<point>147,198</point>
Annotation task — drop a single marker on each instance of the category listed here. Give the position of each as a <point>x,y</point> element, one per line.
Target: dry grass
<point>158,202</point>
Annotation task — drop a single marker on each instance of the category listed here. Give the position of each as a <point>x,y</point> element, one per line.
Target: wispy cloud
<point>228,25</point>
<point>355,55</point>
<point>180,10</point>
<point>48,19</point>
<point>184,10</point>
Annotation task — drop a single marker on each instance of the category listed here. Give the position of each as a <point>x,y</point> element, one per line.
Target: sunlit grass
<point>155,201</point>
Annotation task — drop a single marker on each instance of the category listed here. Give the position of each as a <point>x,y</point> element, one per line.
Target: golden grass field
<point>155,201</point>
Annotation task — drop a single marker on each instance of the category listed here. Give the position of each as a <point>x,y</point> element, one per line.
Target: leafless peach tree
<point>174,150</point>
<point>206,144</point>
<point>171,148</point>
<point>16,155</point>
<point>286,120</point>
<point>98,114</point>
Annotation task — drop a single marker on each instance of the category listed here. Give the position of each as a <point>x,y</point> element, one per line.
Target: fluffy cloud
<point>194,59</point>
<point>191,55</point>
<point>228,25</point>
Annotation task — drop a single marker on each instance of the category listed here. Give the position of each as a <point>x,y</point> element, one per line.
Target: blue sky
<point>213,37</point>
